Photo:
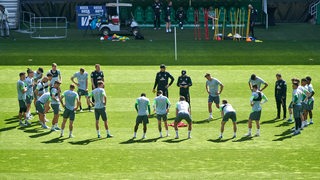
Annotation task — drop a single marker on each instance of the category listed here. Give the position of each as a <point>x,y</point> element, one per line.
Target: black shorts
<point>142,119</point>
<point>164,117</point>
<point>100,112</point>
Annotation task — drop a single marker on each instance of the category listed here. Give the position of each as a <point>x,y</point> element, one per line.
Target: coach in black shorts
<point>162,79</point>
<point>184,82</point>
<point>96,76</point>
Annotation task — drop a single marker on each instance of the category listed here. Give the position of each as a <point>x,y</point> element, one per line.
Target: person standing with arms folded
<point>184,82</point>
<point>280,93</point>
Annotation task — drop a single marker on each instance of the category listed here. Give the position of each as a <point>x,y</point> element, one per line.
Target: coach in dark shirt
<point>184,82</point>
<point>162,79</point>
<point>280,93</point>
<point>96,76</point>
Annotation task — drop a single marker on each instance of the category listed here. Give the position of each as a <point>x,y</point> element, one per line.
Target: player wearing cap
<point>184,82</point>
<point>212,87</point>
<point>280,93</point>
<point>255,102</point>
<point>255,80</point>
<point>161,105</point>
<point>71,105</point>
<point>161,81</point>
<point>29,94</point>
<point>142,106</point>
<point>22,89</point>
<point>227,112</point>
<point>182,112</point>
<point>55,104</point>
<point>82,77</point>
<point>310,99</point>
<point>100,97</point>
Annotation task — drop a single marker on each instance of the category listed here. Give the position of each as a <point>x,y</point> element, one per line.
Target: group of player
<point>44,89</point>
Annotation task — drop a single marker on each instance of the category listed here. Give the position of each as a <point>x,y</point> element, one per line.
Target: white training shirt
<point>183,107</point>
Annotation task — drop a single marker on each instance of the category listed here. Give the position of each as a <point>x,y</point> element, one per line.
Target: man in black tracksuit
<point>280,93</point>
<point>184,82</point>
<point>157,6</point>
<point>253,18</point>
<point>161,81</point>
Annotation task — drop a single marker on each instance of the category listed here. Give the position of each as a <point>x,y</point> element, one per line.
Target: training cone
<point>229,35</point>
<point>248,39</point>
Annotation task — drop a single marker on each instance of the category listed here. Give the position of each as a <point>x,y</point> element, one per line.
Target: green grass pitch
<point>34,153</point>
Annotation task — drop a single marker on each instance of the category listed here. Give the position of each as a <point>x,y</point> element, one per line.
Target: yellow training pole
<point>248,23</point>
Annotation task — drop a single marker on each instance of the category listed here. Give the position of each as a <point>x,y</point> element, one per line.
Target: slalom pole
<point>175,44</point>
<point>206,24</point>
<point>224,21</point>
<point>215,24</point>
<point>243,24</point>
<point>248,23</point>
<point>199,26</point>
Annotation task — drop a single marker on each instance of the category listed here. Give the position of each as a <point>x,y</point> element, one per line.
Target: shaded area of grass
<point>283,44</point>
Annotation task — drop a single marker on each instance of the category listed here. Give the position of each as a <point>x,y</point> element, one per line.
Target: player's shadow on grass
<point>244,121</point>
<point>175,140</point>
<point>285,123</point>
<point>86,141</point>
<point>244,138</point>
<point>219,140</point>
<point>55,140</point>
<point>14,119</point>
<point>132,140</point>
<point>284,135</point>
<point>271,121</point>
<point>8,128</point>
<point>39,134</point>
<point>205,121</point>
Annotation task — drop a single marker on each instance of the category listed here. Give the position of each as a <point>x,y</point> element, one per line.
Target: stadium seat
<point>139,15</point>
<point>149,15</point>
<point>244,12</point>
<point>173,16</point>
<point>232,13</point>
<point>222,15</point>
<point>190,15</point>
<point>201,15</point>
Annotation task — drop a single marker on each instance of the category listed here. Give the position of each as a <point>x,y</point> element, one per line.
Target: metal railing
<point>49,27</point>
<point>313,8</point>
<point>25,22</point>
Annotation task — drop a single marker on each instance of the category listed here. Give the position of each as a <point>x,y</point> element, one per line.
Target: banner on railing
<point>84,13</point>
